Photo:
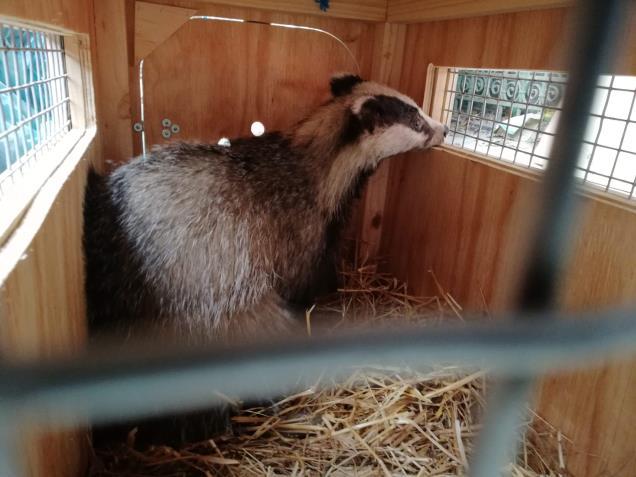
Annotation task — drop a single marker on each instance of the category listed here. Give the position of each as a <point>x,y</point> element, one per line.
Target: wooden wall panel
<point>42,300</point>
<point>388,57</point>
<point>113,60</point>
<point>73,15</point>
<point>462,220</point>
<point>367,10</point>
<point>467,220</point>
<point>42,297</point>
<point>516,40</point>
<point>411,11</point>
<point>290,77</point>
<point>42,306</point>
<point>274,75</point>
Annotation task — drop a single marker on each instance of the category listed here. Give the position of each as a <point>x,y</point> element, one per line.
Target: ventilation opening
<point>512,116</point>
<point>34,99</point>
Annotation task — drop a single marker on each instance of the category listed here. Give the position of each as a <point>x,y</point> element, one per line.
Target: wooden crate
<point>463,217</point>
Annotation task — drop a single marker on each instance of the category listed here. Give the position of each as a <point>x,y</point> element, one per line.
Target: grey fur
<point>214,241</point>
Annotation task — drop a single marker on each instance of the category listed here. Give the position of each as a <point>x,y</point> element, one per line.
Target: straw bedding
<point>379,422</point>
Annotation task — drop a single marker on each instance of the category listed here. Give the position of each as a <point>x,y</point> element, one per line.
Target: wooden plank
<point>42,303</point>
<point>42,299</point>
<point>112,80</point>
<point>367,10</point>
<point>388,55</point>
<point>467,221</point>
<point>80,81</point>
<point>154,24</point>
<point>413,11</point>
<point>72,15</point>
<point>473,235</point>
<point>292,67</point>
<point>439,81</point>
<point>449,217</point>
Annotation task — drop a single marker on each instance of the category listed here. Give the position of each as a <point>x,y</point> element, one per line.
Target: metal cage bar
<point>109,384</point>
<point>112,384</point>
<point>597,29</point>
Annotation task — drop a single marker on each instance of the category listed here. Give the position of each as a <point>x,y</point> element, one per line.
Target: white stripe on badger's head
<point>382,121</point>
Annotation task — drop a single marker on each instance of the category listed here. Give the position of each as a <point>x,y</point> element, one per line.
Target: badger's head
<point>380,120</point>
<point>364,122</point>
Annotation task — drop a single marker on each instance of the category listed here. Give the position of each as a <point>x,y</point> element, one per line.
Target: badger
<point>219,241</point>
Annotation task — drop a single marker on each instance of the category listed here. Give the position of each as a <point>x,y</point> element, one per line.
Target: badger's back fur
<point>217,240</point>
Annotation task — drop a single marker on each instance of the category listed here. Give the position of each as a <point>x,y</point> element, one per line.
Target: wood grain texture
<point>154,24</point>
<point>516,40</point>
<point>467,221</point>
<point>388,56</point>
<point>72,15</point>
<point>597,408</point>
<point>42,301</point>
<point>367,10</point>
<point>111,59</point>
<point>412,11</point>
<point>273,75</point>
<point>457,217</point>
<point>42,305</point>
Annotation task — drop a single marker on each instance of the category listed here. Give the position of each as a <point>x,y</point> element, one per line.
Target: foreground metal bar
<point>592,47</point>
<point>121,383</point>
<point>9,458</point>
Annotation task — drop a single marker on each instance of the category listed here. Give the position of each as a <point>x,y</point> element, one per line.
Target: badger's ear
<point>342,84</point>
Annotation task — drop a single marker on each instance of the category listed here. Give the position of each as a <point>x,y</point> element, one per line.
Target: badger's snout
<point>439,132</point>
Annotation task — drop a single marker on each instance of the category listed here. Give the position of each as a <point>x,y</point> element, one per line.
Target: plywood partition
<point>466,220</point>
<point>215,78</point>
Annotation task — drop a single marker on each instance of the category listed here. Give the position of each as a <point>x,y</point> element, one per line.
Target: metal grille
<point>511,115</point>
<point>34,100</point>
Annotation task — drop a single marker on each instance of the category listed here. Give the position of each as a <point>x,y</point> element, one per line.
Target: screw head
<point>166,133</point>
<point>138,127</point>
<point>175,128</point>
<point>166,123</point>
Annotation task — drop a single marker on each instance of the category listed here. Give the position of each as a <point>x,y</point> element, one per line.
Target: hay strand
<point>379,422</point>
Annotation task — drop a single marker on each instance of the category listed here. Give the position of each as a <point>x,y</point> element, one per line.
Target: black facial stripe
<point>383,111</point>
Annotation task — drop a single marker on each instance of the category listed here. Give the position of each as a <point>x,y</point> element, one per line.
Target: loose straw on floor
<point>379,422</point>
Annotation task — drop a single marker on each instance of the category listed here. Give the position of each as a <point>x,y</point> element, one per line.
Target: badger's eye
<point>417,123</point>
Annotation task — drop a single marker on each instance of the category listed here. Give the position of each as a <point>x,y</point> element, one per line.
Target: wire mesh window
<point>511,115</point>
<point>34,100</point>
